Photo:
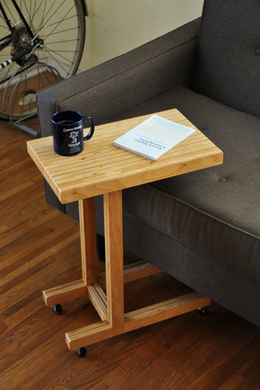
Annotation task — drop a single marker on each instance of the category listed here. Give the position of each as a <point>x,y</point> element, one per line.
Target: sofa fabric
<point>203,228</point>
<point>143,74</point>
<point>210,209</point>
<point>228,56</point>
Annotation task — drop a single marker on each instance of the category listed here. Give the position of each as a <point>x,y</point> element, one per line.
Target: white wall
<point>117,26</point>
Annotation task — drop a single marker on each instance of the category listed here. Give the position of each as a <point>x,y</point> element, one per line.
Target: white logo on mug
<point>74,136</point>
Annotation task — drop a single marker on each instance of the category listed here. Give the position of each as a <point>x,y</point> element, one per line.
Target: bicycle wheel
<point>53,34</point>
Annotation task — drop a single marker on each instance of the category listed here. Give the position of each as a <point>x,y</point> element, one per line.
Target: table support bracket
<point>136,319</point>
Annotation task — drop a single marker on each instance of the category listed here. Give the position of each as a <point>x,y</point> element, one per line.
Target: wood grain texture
<point>98,299</point>
<point>102,167</point>
<point>63,293</point>
<point>89,256</point>
<point>39,249</point>
<point>113,221</point>
<point>132,272</point>
<point>162,311</point>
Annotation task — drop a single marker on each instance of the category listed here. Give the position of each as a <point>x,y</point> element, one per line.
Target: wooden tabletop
<point>102,168</point>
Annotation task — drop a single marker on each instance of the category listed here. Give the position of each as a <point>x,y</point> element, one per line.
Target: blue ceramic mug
<point>68,138</point>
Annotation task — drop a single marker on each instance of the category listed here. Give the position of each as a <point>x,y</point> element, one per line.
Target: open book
<point>153,137</point>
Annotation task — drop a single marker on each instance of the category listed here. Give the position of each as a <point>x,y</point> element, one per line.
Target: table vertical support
<point>89,259</point>
<point>114,324</point>
<point>114,260</point>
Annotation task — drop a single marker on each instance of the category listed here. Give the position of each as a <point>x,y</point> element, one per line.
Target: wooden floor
<point>39,249</point>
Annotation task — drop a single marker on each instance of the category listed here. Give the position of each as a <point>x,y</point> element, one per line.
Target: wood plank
<point>88,335</point>
<point>135,271</point>
<point>114,260</point>
<point>89,258</point>
<point>139,270</point>
<point>162,311</point>
<point>98,299</point>
<point>102,168</point>
<point>136,319</point>
<point>64,293</point>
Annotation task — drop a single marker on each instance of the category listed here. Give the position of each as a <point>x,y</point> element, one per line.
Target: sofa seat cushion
<point>215,210</point>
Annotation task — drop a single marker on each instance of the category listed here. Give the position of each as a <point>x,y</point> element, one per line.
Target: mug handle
<point>91,132</point>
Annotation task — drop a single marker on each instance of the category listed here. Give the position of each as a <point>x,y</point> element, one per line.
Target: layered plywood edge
<point>103,168</point>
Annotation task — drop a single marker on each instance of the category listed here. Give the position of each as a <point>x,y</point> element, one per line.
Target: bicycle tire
<point>58,28</point>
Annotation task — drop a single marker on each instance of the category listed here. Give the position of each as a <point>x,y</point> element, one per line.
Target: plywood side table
<point>104,169</point>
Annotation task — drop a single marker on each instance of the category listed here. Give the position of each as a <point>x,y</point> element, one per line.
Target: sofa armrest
<point>118,85</point>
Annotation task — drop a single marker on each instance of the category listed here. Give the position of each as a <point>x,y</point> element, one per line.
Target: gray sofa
<point>203,228</point>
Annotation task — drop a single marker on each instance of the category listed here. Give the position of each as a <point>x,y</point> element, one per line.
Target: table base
<point>106,290</point>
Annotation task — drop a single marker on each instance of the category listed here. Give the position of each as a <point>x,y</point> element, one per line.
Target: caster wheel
<point>202,310</point>
<point>57,309</point>
<point>81,352</point>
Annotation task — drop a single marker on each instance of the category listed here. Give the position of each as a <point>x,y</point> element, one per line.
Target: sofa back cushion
<point>228,59</point>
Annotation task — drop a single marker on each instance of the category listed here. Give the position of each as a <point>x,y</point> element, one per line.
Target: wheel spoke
<point>50,21</point>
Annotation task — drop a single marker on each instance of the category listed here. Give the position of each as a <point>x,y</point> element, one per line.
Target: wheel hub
<point>21,41</point>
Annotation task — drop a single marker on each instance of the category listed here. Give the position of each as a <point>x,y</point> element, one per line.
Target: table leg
<point>114,260</point>
<point>89,260</point>
<point>114,300</point>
